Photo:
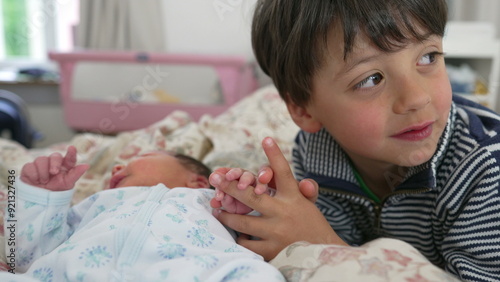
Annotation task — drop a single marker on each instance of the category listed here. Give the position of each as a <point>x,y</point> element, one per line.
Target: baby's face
<point>150,169</point>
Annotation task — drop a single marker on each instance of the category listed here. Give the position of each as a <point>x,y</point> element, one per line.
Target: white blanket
<point>128,234</point>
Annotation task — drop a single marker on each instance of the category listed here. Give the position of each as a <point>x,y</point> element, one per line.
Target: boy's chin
<point>416,158</point>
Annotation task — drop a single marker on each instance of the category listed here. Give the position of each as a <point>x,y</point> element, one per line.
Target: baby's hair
<point>193,164</point>
<point>290,37</point>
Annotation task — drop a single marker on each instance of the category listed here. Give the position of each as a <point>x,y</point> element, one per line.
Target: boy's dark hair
<point>289,37</point>
<point>193,164</point>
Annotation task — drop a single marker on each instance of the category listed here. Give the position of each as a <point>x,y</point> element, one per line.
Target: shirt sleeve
<point>471,245</point>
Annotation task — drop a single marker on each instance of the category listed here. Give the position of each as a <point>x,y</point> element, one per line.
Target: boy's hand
<point>55,172</point>
<point>245,179</point>
<point>262,182</point>
<point>286,218</point>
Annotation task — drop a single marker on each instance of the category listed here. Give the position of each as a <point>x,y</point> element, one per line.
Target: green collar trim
<point>365,188</point>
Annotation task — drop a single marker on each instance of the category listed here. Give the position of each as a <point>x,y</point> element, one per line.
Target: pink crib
<point>235,74</point>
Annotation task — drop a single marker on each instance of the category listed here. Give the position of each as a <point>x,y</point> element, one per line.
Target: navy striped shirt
<point>448,208</point>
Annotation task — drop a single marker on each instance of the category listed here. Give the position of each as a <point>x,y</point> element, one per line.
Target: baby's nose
<point>117,168</point>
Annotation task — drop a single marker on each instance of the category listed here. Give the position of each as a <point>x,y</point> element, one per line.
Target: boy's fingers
<point>246,224</point>
<point>283,176</point>
<point>310,189</point>
<point>260,188</point>
<point>265,175</point>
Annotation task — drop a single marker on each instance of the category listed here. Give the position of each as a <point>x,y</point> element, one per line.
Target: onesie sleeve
<point>41,223</point>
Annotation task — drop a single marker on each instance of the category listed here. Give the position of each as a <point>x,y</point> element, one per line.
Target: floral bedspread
<point>380,260</point>
<point>231,139</point>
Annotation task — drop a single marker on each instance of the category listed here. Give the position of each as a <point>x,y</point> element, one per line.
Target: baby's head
<point>171,169</point>
<point>290,38</point>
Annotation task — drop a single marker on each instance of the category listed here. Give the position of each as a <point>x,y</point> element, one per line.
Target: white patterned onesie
<point>127,234</point>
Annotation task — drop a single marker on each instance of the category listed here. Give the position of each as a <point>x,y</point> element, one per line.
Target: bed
<point>231,138</point>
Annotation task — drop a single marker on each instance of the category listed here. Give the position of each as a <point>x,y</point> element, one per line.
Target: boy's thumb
<point>309,189</point>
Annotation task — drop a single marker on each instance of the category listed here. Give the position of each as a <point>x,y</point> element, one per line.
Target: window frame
<point>43,19</point>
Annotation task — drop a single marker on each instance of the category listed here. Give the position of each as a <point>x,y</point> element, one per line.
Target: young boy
<point>395,154</point>
<point>139,230</point>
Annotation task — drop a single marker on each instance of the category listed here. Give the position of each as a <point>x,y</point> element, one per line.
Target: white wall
<point>208,26</point>
<point>477,10</point>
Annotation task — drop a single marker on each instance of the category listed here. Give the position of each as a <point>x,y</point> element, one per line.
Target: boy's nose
<point>116,169</point>
<point>411,96</point>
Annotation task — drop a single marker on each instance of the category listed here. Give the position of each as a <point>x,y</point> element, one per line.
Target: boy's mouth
<point>415,133</point>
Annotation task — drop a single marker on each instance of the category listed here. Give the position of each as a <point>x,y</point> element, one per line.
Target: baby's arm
<point>41,217</point>
<point>43,201</point>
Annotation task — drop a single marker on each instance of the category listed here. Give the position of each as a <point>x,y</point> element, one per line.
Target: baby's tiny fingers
<point>261,188</point>
<point>215,179</point>
<point>246,179</point>
<point>29,174</point>
<point>234,174</point>
<point>55,162</point>
<point>219,195</point>
<point>69,160</point>
<point>42,168</point>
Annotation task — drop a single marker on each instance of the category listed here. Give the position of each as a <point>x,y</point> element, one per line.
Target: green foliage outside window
<point>15,28</point>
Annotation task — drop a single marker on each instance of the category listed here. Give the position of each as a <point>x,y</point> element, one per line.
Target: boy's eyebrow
<point>350,65</point>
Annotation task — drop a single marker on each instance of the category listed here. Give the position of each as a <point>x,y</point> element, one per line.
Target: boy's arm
<point>471,246</point>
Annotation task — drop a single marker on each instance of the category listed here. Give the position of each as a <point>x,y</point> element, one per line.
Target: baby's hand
<point>55,172</point>
<point>245,179</point>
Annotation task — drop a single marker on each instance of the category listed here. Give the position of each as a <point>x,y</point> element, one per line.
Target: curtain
<point>477,10</point>
<point>121,25</point>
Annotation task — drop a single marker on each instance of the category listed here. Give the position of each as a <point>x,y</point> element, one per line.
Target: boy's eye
<point>370,81</point>
<point>429,58</point>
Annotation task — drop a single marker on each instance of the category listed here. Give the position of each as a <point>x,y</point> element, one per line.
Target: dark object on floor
<point>14,117</point>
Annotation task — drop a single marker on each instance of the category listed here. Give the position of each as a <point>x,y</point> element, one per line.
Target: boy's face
<point>152,168</point>
<point>383,108</point>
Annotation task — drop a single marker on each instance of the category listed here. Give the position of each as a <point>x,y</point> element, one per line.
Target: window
<point>30,28</point>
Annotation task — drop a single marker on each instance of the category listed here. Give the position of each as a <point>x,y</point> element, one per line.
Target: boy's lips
<point>415,133</point>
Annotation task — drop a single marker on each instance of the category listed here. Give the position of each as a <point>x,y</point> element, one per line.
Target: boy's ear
<point>303,119</point>
<point>198,181</point>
